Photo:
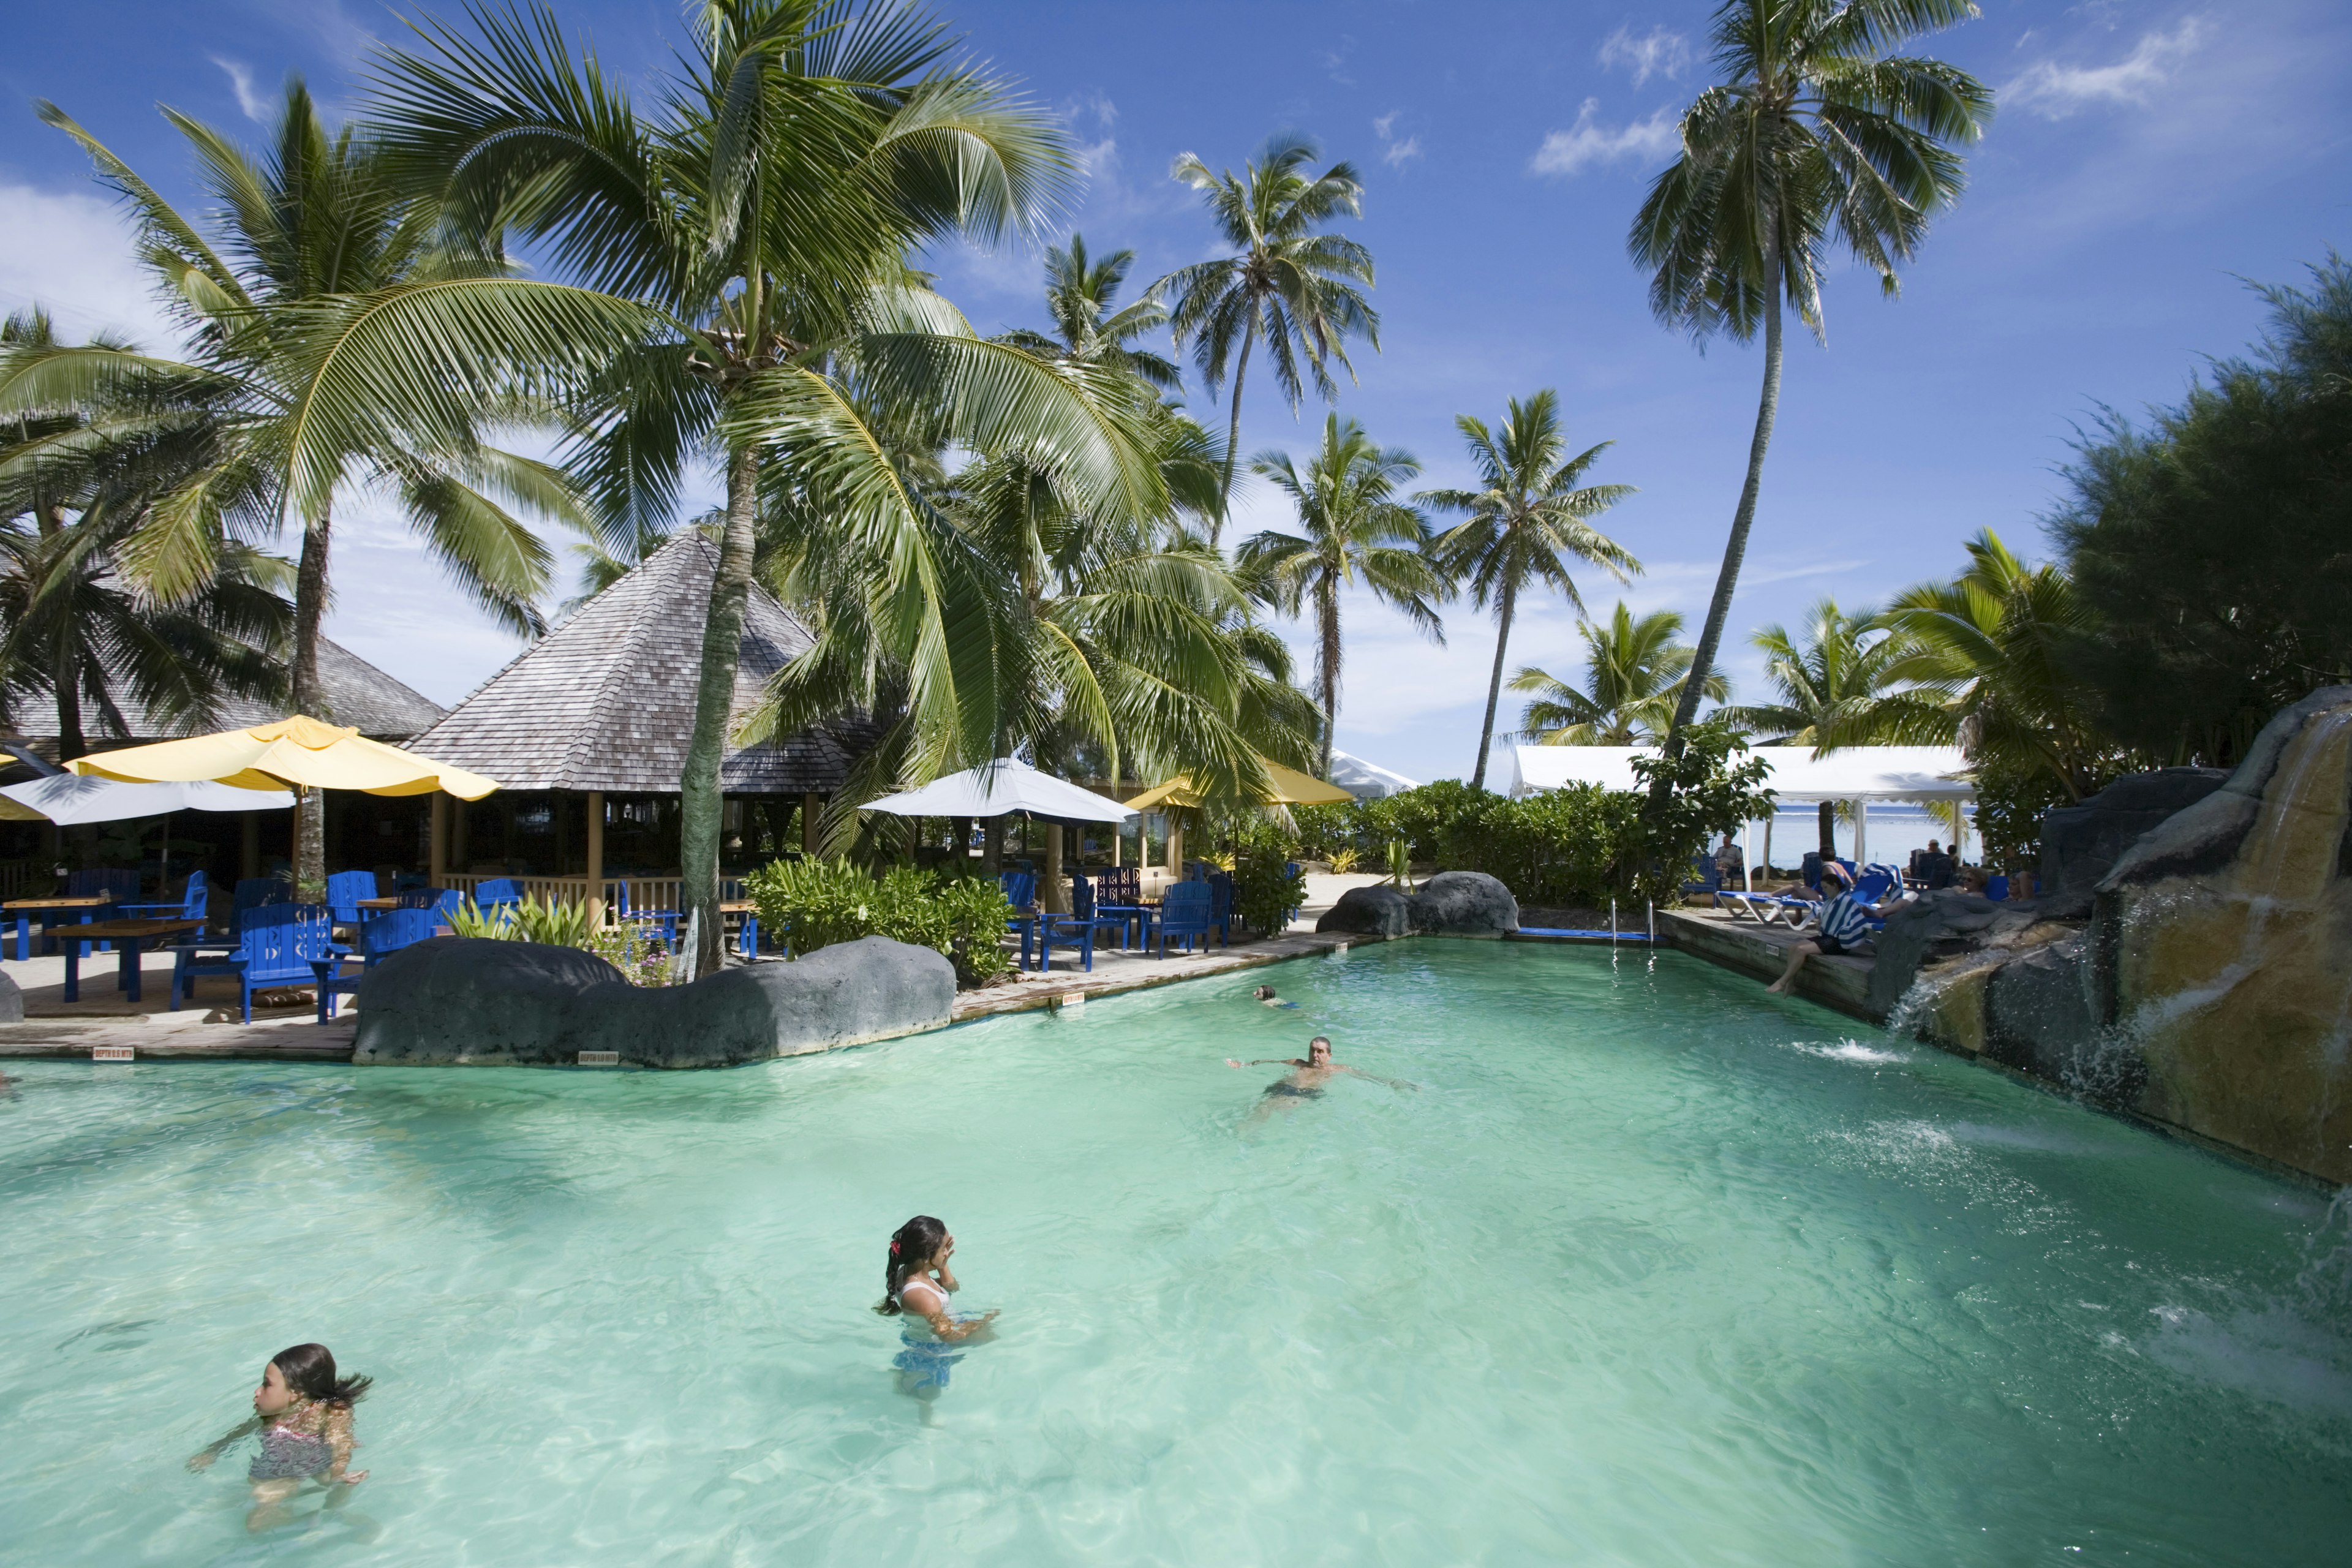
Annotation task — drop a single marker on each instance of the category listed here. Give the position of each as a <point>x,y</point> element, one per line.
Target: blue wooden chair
<point>276,945</point>
<point>441,901</point>
<point>1996,888</point>
<point>1021,892</point>
<point>497,891</point>
<point>380,938</point>
<point>114,885</point>
<point>1220,906</point>
<point>644,920</point>
<point>1119,891</point>
<point>1078,928</point>
<point>344,891</point>
<point>1185,911</point>
<point>254,892</point>
<point>188,906</point>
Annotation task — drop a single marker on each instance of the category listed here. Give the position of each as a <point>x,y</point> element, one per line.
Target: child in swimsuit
<point>1265,997</point>
<point>918,1282</point>
<point>303,1412</point>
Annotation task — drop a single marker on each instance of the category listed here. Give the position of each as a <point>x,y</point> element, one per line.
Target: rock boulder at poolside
<point>2081,844</point>
<point>11,1001</point>
<point>458,1000</point>
<point>1464,903</point>
<point>1368,912</point>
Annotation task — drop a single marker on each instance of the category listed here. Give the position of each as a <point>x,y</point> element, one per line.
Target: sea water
<point>1646,1268</point>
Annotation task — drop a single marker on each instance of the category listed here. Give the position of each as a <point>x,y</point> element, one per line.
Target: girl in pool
<point>917,1283</point>
<point>303,1412</point>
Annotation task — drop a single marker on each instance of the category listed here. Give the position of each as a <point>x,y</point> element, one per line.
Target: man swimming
<point>1265,997</point>
<point>1306,1076</point>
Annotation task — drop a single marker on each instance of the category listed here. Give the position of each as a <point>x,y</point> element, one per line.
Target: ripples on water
<point>1653,1269</point>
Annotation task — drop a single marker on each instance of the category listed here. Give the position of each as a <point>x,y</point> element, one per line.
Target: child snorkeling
<point>303,1412</point>
<point>917,1281</point>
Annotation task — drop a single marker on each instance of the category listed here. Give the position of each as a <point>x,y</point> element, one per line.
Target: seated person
<point>1931,867</point>
<point>1730,861</point>
<point>1845,926</point>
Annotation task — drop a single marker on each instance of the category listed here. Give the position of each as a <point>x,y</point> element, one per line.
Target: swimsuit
<point>925,1358</point>
<point>289,1454</point>
<point>1295,1091</point>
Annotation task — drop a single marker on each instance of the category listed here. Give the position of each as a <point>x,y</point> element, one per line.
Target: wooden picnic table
<point>20,910</point>
<point>133,935</point>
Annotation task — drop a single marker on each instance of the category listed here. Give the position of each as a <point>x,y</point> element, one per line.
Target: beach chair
<point>114,884</point>
<point>189,906</point>
<point>344,891</point>
<point>380,938</point>
<point>276,945</point>
<point>1119,891</point>
<point>1706,876</point>
<point>440,899</point>
<point>1185,911</point>
<point>1021,892</point>
<point>644,921</point>
<point>1221,905</point>
<point>1078,928</point>
<point>496,893</point>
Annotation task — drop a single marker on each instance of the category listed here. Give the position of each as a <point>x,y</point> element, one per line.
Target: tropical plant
<point>1816,136</point>
<point>1633,670</point>
<point>1837,685</point>
<point>1995,644</point>
<point>1298,289</point>
<point>1087,329</point>
<point>1266,884</point>
<point>823,903</point>
<point>1344,859</point>
<point>2209,546</point>
<point>1705,788</point>
<point>1527,517</point>
<point>332,345</point>
<point>1400,862</point>
<point>764,216</point>
<point>1353,529</point>
<point>550,922</point>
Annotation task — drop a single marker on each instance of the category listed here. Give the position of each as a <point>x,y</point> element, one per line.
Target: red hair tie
<point>893,1249</point>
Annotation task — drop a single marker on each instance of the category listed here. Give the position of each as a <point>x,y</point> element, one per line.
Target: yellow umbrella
<point>1289,787</point>
<point>296,751</point>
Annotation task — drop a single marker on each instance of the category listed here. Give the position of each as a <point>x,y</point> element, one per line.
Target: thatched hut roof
<point>605,702</point>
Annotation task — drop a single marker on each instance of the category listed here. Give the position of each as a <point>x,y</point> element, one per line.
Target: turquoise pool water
<point>1653,1269</point>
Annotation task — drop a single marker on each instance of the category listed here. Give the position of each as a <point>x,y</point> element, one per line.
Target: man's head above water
<point>1318,1052</point>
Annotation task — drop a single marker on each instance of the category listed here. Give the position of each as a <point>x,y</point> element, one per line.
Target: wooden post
<point>808,824</point>
<point>1053,895</point>
<point>595,857</point>
<point>1175,842</point>
<point>459,855</point>
<point>249,845</point>
<point>436,841</point>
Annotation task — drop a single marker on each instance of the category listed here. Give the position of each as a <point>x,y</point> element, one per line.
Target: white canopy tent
<point>1367,781</point>
<point>1006,785</point>
<point>1857,774</point>
<point>69,798</point>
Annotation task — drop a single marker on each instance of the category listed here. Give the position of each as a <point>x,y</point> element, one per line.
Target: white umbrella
<point>69,798</point>
<point>1004,785</point>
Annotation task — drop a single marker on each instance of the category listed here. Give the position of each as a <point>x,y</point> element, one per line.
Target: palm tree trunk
<point>1828,829</point>
<point>1327,663</point>
<point>71,741</point>
<point>1735,549</point>
<point>699,803</point>
<point>310,610</point>
<point>1233,433</point>
<point>1495,682</point>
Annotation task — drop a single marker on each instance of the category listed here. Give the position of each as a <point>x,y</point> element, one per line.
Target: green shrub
<point>1707,793</point>
<point>643,961</point>
<point>1266,889</point>
<point>818,904</point>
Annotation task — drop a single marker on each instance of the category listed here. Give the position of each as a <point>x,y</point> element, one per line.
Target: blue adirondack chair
<point>114,885</point>
<point>497,891</point>
<point>188,906</point>
<point>1119,891</point>
<point>1185,912</point>
<point>254,892</point>
<point>276,944</point>
<point>1996,888</point>
<point>380,938</point>
<point>1078,928</point>
<point>344,891</point>
<point>1021,892</point>
<point>1706,875</point>
<point>439,900</point>
<point>1220,906</point>
<point>645,920</point>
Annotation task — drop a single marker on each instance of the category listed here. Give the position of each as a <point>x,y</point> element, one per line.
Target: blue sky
<point>2146,158</point>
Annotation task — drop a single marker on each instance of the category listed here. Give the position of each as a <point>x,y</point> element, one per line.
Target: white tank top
<point>915,1322</point>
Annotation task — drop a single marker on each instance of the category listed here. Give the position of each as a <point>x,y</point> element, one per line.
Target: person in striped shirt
<point>1845,926</point>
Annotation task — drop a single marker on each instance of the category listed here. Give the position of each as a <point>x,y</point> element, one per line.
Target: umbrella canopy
<point>296,751</point>
<point>1289,787</point>
<point>1006,785</point>
<point>69,798</point>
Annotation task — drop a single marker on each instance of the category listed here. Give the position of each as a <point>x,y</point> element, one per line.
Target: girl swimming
<point>917,1283</point>
<point>303,1412</point>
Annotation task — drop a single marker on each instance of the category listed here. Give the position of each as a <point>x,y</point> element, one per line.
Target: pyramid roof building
<point>605,702</point>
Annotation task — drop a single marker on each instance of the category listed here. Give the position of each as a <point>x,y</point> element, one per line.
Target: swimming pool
<point>1653,1269</point>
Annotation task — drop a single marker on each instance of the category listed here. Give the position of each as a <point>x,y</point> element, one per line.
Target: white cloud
<point>1395,153</point>
<point>72,254</point>
<point>1586,142</point>
<point>255,105</point>
<point>2055,91</point>
<point>1656,53</point>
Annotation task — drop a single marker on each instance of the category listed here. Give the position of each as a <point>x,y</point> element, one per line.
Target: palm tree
<point>1816,136</point>
<point>332,345</point>
<point>1529,516</point>
<point>764,217</point>
<point>1840,685</point>
<point>1991,649</point>
<point>1296,288</point>
<point>1086,331</point>
<point>1633,669</point>
<point>1354,529</point>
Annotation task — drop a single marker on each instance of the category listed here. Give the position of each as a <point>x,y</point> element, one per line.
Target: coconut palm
<point>1299,289</point>
<point>1633,670</point>
<point>1990,648</point>
<point>1817,136</point>
<point>1079,295</point>
<point>765,214</point>
<point>331,346</point>
<point>1529,517</point>
<point>1353,529</point>
<point>1838,683</point>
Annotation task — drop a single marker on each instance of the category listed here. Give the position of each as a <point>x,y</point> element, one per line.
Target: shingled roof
<point>356,693</point>
<point>605,702</point>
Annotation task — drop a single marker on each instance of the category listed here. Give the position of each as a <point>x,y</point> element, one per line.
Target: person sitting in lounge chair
<point>1845,926</point>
